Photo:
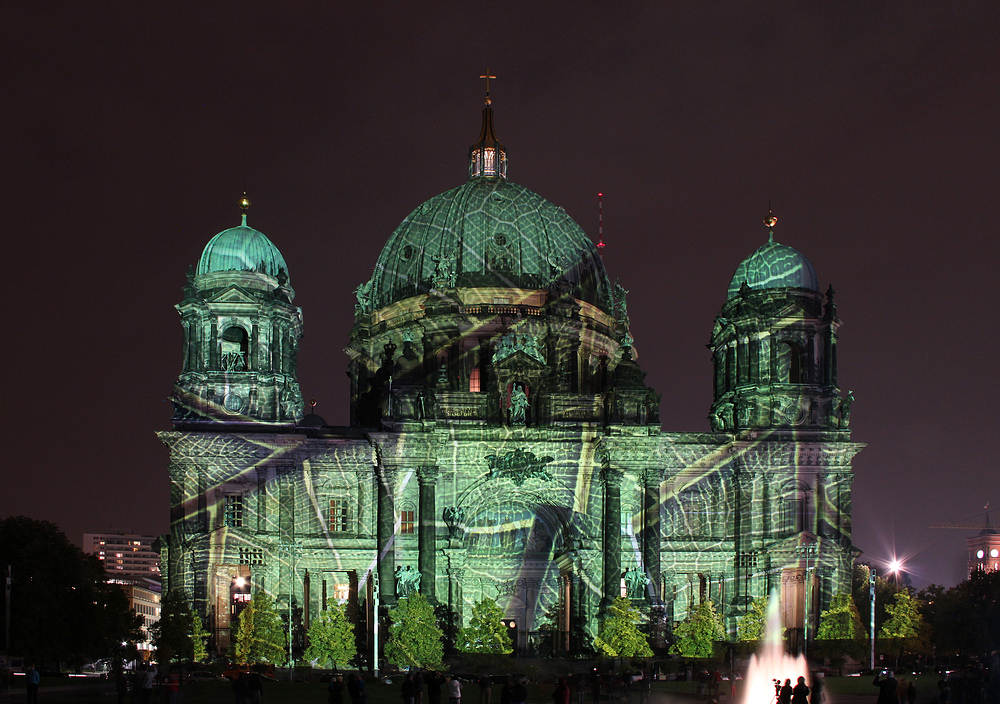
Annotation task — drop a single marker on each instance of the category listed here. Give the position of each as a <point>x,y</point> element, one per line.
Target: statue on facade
<point>844,410</point>
<point>722,419</point>
<point>518,405</point>
<point>454,517</point>
<point>653,406</point>
<point>363,294</point>
<point>635,583</point>
<point>290,403</point>
<point>620,304</point>
<point>444,271</point>
<point>407,580</point>
<point>744,412</point>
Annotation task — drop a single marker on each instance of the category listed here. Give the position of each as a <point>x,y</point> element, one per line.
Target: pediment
<point>233,294</point>
<point>520,361</point>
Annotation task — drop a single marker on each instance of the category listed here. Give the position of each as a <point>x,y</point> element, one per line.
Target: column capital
<point>611,476</point>
<point>428,473</point>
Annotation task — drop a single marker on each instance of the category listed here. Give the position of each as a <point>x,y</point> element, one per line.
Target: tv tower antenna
<point>600,224</point>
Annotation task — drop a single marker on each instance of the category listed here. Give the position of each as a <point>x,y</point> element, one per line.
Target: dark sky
<point>128,132</point>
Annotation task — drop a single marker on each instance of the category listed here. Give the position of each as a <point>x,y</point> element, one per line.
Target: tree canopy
<point>331,638</point>
<point>841,621</point>
<point>61,604</point>
<point>696,636</point>
<point>966,617</point>
<point>260,635</point>
<point>619,635</point>
<point>485,633</point>
<point>750,626</point>
<point>414,634</point>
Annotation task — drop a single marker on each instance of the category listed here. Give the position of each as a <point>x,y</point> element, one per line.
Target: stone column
<point>427,531</point>
<point>612,535</point>
<point>385,530</point>
<point>651,531</point>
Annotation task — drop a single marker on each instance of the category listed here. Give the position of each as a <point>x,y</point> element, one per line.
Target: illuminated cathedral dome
<point>241,248</point>
<point>774,265</point>
<point>488,233</point>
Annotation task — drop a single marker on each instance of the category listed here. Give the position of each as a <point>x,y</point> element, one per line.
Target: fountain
<point>772,662</point>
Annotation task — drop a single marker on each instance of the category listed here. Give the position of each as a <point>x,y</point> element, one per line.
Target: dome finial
<point>770,221</point>
<point>487,158</point>
<point>487,101</point>
<point>244,206</point>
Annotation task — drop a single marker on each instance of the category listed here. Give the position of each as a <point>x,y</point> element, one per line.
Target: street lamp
<point>895,566</point>
<point>871,588</point>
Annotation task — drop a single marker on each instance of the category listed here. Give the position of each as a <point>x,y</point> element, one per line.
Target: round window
<point>980,554</point>
<point>994,553</point>
<point>500,239</point>
<point>407,252</point>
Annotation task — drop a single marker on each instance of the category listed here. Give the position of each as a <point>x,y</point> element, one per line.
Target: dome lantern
<point>487,157</point>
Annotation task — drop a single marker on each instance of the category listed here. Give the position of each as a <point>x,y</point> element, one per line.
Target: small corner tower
<point>241,334</point>
<point>774,347</point>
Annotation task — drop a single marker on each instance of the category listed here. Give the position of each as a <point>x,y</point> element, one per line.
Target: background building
<point>125,555</point>
<point>503,441</point>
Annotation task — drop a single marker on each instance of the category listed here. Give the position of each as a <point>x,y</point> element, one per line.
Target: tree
<point>414,635</point>
<point>619,636</point>
<point>331,639</point>
<point>965,618</point>
<point>751,625</point>
<point>62,606</point>
<point>199,636</point>
<point>173,633</point>
<point>904,626</point>
<point>840,631</point>
<point>696,636</point>
<point>485,633</point>
<point>841,621</point>
<point>260,636</point>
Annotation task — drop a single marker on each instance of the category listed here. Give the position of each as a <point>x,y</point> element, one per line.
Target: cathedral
<point>503,442</point>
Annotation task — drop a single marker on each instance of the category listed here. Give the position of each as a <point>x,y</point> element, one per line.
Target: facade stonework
<point>503,442</point>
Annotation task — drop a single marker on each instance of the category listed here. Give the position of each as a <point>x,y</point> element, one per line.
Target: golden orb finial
<point>770,220</point>
<point>244,202</point>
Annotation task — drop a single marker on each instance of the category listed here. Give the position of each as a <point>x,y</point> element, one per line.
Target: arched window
<point>795,510</point>
<point>788,363</point>
<point>235,349</point>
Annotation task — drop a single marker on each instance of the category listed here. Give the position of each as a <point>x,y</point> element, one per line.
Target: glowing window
<point>994,553</point>
<point>980,554</point>
<point>338,515</point>
<point>474,386</point>
<point>341,592</point>
<point>406,520</point>
<point>233,512</point>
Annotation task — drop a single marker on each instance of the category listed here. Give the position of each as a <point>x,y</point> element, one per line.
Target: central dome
<point>488,232</point>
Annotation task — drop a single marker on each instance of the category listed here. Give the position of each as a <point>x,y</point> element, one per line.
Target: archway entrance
<point>514,549</point>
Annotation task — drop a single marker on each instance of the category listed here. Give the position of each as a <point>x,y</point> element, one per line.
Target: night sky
<point>128,132</point>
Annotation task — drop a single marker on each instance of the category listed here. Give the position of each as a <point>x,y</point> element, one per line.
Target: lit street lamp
<point>871,587</point>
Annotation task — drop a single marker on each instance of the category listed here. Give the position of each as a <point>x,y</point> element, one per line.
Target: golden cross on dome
<point>488,76</point>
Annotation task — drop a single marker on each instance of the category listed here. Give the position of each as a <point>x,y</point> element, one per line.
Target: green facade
<point>503,442</point>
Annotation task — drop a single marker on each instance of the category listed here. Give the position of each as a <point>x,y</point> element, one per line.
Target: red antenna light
<point>600,224</point>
